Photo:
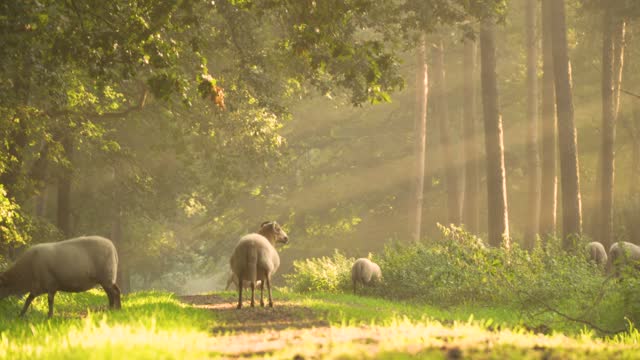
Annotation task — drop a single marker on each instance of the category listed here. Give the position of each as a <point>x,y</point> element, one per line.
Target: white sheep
<point>596,253</point>
<point>622,254</point>
<point>366,272</point>
<point>255,258</point>
<point>73,265</point>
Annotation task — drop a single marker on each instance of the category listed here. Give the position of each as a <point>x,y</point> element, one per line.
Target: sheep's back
<point>268,259</point>
<point>70,265</point>
<point>597,252</point>
<point>362,270</point>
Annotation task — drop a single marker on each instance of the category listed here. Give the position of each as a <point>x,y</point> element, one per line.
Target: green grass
<point>150,325</point>
<point>155,325</point>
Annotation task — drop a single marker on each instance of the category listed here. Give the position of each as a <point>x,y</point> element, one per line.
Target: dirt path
<point>262,331</point>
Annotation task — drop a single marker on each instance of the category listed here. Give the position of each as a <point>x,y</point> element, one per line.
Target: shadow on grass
<point>284,315</point>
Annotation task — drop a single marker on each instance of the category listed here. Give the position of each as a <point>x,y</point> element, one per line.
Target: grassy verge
<point>156,325</point>
<point>150,325</point>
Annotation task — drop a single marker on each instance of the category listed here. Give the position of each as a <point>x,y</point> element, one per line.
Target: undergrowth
<point>550,287</point>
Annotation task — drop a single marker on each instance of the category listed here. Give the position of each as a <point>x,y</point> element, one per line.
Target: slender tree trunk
<point>567,134</point>
<point>471,145</point>
<point>441,107</point>
<point>549,182</point>
<point>64,191</point>
<point>533,158</point>
<point>498,218</point>
<point>421,139</point>
<point>612,56</point>
<point>123,278</point>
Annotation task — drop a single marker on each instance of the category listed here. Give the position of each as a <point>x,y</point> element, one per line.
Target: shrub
<point>331,274</point>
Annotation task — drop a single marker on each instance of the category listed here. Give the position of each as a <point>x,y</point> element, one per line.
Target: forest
<point>485,154</point>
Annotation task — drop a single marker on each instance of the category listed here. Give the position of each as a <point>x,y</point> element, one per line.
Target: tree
<point>441,113</point>
<point>498,216</point>
<point>567,135</point>
<point>422,90</point>
<point>471,139</point>
<point>549,181</point>
<point>533,159</point>
<point>613,30</point>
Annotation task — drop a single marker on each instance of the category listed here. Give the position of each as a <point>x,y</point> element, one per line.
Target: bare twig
<point>630,93</point>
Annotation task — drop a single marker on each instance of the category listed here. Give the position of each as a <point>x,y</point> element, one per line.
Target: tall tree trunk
<point>441,107</point>
<point>123,278</point>
<point>471,145</point>
<point>498,217</point>
<point>421,139</point>
<point>64,190</point>
<point>533,158</point>
<point>567,134</point>
<point>612,55</point>
<point>549,182</point>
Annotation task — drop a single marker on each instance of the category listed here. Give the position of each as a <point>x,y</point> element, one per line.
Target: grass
<point>155,325</point>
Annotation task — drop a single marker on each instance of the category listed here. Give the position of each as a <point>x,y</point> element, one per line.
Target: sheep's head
<point>273,231</point>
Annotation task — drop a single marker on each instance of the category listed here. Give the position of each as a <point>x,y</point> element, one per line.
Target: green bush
<point>458,269</point>
<point>329,274</point>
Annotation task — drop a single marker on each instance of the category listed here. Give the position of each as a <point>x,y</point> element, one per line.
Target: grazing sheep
<point>255,258</point>
<point>366,272</point>
<point>621,254</point>
<point>233,279</point>
<point>596,253</point>
<point>73,265</point>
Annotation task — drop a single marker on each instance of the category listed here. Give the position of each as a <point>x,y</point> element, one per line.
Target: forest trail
<point>310,328</point>
<point>288,325</point>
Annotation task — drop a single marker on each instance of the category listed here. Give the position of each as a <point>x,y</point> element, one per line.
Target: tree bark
<point>441,107</point>
<point>122,278</point>
<point>612,60</point>
<point>549,182</point>
<point>533,158</point>
<point>420,140</point>
<point>567,134</point>
<point>471,145</point>
<point>498,218</point>
<point>64,190</point>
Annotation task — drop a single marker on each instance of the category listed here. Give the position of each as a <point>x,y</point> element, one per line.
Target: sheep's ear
<point>264,223</point>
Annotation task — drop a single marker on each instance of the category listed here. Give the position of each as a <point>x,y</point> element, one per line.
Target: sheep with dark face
<point>365,272</point>
<point>255,258</point>
<point>73,265</point>
<point>622,254</point>
<point>596,253</point>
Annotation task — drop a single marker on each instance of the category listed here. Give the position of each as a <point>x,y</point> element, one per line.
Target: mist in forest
<point>186,129</point>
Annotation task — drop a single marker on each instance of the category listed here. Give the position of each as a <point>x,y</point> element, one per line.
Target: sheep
<point>596,253</point>
<point>366,272</point>
<point>233,279</point>
<point>73,265</point>
<point>255,257</point>
<point>621,254</point>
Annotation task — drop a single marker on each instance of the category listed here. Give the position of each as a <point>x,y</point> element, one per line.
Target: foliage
<point>458,269</point>
<point>331,274</point>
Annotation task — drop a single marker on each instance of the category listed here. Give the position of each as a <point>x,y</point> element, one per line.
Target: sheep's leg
<point>253,298</point>
<point>240,292</point>
<point>354,287</point>
<point>116,296</point>
<point>262,292</point>
<point>107,289</point>
<point>27,303</point>
<point>50,298</point>
<point>269,290</point>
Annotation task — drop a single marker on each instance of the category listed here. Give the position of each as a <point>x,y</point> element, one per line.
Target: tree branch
<point>630,93</point>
